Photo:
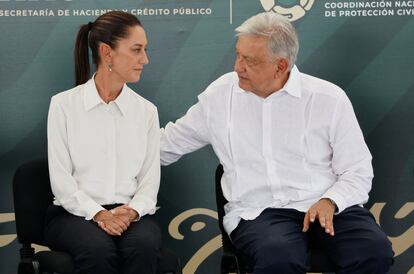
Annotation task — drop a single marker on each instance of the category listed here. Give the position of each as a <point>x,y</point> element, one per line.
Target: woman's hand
<point>125,211</point>
<point>112,224</point>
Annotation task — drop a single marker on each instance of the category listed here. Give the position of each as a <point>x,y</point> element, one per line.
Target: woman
<point>103,149</point>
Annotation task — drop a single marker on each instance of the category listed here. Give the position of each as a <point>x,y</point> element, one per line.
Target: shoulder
<point>229,78</point>
<point>221,87</point>
<point>65,98</point>
<point>140,102</point>
<point>320,88</point>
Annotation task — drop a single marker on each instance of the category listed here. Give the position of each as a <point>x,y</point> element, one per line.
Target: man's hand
<point>110,223</point>
<point>323,210</point>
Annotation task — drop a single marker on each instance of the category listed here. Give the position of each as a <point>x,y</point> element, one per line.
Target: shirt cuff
<point>91,210</point>
<point>142,208</point>
<point>137,209</point>
<point>338,199</point>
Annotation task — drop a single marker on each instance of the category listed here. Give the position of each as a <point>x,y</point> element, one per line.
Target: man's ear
<point>281,67</point>
<point>105,51</point>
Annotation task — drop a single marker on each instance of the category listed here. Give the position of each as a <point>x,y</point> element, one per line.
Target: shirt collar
<point>122,101</point>
<point>92,98</point>
<point>292,85</point>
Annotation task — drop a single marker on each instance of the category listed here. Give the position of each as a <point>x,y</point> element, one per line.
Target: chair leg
<point>36,268</point>
<point>238,266</point>
<point>27,265</point>
<point>230,264</point>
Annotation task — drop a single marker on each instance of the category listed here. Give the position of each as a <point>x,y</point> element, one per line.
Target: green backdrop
<point>366,47</point>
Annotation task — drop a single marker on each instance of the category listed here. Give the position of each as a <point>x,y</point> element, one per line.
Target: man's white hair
<point>283,39</point>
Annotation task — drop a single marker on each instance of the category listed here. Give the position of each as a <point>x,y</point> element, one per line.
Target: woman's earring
<point>109,67</point>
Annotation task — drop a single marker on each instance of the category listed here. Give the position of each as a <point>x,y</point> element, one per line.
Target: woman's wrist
<point>100,215</point>
<point>133,215</point>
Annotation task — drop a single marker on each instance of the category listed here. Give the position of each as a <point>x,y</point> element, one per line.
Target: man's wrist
<point>333,204</point>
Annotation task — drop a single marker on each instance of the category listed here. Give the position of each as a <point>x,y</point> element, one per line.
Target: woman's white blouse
<point>103,153</point>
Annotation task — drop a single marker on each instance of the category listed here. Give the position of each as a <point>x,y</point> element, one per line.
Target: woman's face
<point>129,56</point>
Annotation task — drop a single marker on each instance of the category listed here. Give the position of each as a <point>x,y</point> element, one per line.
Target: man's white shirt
<point>298,145</point>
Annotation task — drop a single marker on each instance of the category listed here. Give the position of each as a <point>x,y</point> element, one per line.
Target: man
<point>295,162</point>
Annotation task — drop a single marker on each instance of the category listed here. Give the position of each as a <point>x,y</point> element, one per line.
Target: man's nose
<point>238,65</point>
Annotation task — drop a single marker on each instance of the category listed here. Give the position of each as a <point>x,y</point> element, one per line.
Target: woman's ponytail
<point>82,68</point>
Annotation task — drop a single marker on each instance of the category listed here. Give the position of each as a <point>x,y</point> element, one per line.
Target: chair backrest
<point>220,202</point>
<point>232,260</point>
<point>32,196</point>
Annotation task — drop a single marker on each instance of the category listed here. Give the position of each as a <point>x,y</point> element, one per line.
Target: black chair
<point>233,261</point>
<point>32,196</point>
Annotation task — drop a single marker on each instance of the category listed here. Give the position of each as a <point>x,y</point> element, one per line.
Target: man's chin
<point>243,86</point>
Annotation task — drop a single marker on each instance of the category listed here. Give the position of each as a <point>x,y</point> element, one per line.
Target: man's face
<point>256,71</point>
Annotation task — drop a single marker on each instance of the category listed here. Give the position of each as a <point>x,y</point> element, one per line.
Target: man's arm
<point>351,162</point>
<point>186,135</point>
<point>351,159</point>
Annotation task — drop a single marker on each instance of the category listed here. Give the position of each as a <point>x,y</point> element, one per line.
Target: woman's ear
<point>105,52</point>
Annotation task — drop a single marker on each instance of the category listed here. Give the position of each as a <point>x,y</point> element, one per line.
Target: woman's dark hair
<point>107,28</point>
